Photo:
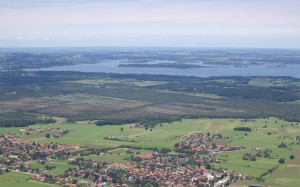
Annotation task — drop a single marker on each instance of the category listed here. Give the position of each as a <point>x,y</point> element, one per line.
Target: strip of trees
<point>147,122</point>
<point>21,120</point>
<point>248,129</point>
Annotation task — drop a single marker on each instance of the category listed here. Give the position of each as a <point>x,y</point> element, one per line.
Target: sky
<point>150,23</point>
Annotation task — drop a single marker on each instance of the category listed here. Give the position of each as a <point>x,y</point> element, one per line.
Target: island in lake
<point>164,65</point>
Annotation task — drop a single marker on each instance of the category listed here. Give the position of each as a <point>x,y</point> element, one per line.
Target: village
<point>190,166</point>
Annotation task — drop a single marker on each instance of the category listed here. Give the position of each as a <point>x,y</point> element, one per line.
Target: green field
<point>162,136</point>
<point>83,133</point>
<point>14,179</point>
<point>61,166</point>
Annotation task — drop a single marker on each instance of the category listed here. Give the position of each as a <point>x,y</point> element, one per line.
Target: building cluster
<point>15,153</point>
<point>56,179</point>
<point>180,170</point>
<point>158,170</point>
<point>155,168</point>
<point>57,132</point>
<point>202,144</point>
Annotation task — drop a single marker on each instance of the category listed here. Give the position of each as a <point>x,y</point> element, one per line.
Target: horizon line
<point>123,47</point>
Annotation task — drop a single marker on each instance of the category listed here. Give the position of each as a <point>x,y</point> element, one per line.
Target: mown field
<point>166,135</point>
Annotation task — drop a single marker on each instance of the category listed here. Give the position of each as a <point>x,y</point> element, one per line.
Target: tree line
<point>147,122</point>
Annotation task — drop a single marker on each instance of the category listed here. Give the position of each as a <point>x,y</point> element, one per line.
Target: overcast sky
<point>174,23</point>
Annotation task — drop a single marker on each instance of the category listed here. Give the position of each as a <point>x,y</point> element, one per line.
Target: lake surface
<point>214,70</point>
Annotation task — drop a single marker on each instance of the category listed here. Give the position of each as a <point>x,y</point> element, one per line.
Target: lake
<point>213,70</point>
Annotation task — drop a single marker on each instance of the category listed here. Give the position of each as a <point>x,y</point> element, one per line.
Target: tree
<point>152,167</point>
<point>208,166</point>
<point>282,145</point>
<point>47,135</point>
<point>214,145</point>
<point>292,157</point>
<point>122,129</point>
<point>165,151</point>
<point>281,161</point>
